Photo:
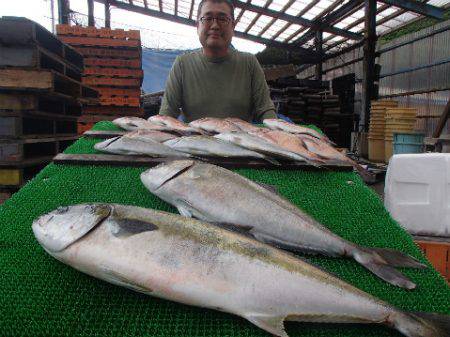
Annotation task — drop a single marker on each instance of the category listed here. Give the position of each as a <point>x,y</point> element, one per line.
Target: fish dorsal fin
<point>272,324</point>
<point>125,226</point>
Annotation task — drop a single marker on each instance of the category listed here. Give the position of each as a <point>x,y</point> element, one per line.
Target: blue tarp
<point>156,64</point>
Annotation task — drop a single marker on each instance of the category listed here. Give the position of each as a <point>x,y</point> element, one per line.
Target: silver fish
<point>242,125</point>
<point>212,147</point>
<point>137,146</point>
<point>279,124</point>
<point>214,125</point>
<point>136,123</point>
<point>150,134</point>
<point>212,193</point>
<point>192,262</point>
<point>260,145</point>
<point>174,124</point>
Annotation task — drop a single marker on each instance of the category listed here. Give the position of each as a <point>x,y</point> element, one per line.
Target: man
<point>217,81</point>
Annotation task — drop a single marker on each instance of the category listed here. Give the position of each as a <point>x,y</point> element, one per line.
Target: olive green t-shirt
<point>232,86</point>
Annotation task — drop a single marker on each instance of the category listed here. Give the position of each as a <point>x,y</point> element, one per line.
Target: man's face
<point>215,34</point>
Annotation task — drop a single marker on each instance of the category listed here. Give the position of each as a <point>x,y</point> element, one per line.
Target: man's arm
<point>171,102</point>
<point>263,105</point>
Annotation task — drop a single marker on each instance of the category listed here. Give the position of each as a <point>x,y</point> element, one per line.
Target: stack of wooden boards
<point>386,118</point>
<point>40,99</point>
<point>113,66</point>
<point>313,103</point>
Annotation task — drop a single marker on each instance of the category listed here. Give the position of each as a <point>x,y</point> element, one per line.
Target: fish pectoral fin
<point>272,324</point>
<point>187,210</point>
<point>184,211</point>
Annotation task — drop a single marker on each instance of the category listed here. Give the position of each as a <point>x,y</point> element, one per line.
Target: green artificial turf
<point>40,296</point>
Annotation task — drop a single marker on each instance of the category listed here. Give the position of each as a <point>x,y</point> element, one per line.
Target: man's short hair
<point>228,2</point>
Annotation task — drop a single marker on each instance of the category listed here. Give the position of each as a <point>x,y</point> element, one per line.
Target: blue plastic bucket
<point>408,143</point>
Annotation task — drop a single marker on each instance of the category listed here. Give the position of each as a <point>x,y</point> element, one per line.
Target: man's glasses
<point>221,20</point>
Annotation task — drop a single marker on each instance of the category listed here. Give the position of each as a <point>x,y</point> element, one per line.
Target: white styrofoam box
<point>417,192</point>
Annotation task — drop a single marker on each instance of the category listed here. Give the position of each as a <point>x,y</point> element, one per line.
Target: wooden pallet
<point>37,103</point>
<point>437,251</point>
<point>109,53</point>
<point>103,112</point>
<point>35,57</point>
<point>19,150</point>
<point>98,32</point>
<point>16,175</point>
<point>43,81</point>
<point>99,42</point>
<point>30,124</point>
<point>123,92</point>
<point>112,82</point>
<point>120,63</point>
<point>15,31</point>
<point>120,101</point>
<point>114,72</point>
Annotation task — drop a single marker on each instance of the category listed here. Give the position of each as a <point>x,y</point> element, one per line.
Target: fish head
<point>157,176</point>
<point>106,143</point>
<point>58,229</point>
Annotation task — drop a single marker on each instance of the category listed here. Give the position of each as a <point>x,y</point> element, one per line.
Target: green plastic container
<point>408,142</point>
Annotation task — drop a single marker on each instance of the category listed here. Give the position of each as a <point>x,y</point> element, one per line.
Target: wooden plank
<point>109,53</point>
<point>18,150</point>
<point>10,177</point>
<point>109,111</point>
<point>103,134</point>
<point>135,73</point>
<point>26,79</point>
<point>38,104</point>
<point>34,57</point>
<point>111,92</point>
<point>104,62</point>
<point>114,82</point>
<point>99,42</point>
<point>442,121</point>
<point>98,32</point>
<point>121,101</point>
<point>17,102</point>
<point>119,160</point>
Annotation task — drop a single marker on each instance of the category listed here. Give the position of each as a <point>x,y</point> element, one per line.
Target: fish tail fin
<point>421,324</point>
<point>382,262</point>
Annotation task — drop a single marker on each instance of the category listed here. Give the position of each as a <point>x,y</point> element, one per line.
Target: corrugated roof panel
<point>153,4</point>
<point>260,24</point>
<point>194,13</point>
<point>297,7</point>
<point>277,5</point>
<point>168,6</point>
<point>278,24</point>
<point>245,20</point>
<point>260,3</point>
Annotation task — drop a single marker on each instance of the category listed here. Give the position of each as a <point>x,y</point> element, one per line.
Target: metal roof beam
<point>309,55</point>
<point>295,19</point>
<point>330,19</point>
<point>268,2</point>
<point>285,7</point>
<point>417,7</point>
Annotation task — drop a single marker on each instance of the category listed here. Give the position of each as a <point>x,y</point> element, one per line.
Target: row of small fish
<point>300,144</point>
<point>196,263</point>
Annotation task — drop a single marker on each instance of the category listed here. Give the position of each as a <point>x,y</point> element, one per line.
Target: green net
<point>40,296</point>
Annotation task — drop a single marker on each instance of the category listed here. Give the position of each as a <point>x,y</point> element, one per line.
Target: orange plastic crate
<point>437,251</point>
